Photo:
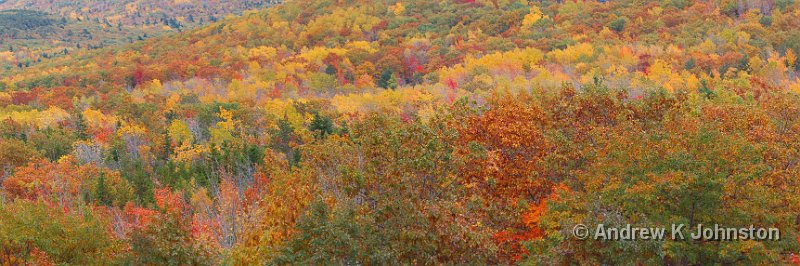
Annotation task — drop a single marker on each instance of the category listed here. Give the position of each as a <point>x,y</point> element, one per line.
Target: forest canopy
<point>407,132</point>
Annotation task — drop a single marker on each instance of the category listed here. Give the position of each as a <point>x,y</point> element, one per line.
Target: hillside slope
<point>425,37</point>
<point>139,12</point>
<point>38,30</point>
<point>412,132</point>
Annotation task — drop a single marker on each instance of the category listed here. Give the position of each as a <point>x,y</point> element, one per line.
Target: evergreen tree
<point>322,126</point>
<point>387,80</point>
<point>102,194</point>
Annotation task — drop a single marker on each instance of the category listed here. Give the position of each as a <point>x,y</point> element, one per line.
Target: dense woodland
<point>358,132</point>
<point>36,30</point>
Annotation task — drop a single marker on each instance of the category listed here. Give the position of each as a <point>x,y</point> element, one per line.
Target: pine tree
<point>167,146</point>
<point>387,80</point>
<point>80,127</point>
<point>322,126</point>
<point>102,194</point>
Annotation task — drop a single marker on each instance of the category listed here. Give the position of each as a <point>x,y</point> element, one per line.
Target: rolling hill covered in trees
<point>32,30</point>
<point>409,132</point>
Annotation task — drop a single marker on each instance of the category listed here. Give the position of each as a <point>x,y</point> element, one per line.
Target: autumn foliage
<point>408,132</point>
